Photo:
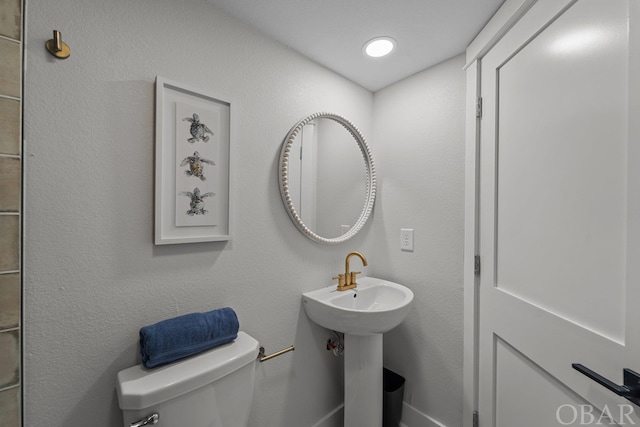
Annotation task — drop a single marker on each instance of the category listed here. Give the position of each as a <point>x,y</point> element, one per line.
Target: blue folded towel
<point>183,336</point>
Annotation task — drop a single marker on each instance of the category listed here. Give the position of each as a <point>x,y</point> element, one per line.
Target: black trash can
<point>393,392</point>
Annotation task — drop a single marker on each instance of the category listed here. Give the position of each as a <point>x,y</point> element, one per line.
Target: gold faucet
<point>348,279</point>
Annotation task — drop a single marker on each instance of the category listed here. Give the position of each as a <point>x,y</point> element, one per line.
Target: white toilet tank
<point>211,389</point>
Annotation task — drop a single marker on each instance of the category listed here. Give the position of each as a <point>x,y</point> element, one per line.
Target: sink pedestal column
<point>363,380</point>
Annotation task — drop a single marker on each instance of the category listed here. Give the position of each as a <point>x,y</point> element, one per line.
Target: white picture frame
<point>193,158</point>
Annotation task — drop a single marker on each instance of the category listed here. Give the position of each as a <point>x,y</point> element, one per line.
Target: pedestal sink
<point>364,313</point>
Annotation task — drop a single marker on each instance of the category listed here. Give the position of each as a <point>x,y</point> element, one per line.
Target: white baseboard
<point>411,417</point>
<point>334,418</point>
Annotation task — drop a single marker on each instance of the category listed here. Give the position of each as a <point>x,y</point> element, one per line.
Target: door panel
<point>558,228</point>
<point>561,149</point>
<point>514,406</point>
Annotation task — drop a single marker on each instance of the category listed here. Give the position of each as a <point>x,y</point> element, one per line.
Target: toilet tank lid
<point>139,387</point>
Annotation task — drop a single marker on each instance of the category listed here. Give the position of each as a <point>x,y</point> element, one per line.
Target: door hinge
<point>476,265</point>
<point>479,107</point>
<point>475,418</point>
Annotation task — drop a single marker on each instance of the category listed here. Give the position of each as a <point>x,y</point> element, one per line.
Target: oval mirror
<point>327,177</point>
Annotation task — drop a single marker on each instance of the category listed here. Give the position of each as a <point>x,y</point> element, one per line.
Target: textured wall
<point>92,274</point>
<point>419,148</point>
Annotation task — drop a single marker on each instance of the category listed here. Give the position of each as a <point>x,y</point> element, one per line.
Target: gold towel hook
<point>57,47</point>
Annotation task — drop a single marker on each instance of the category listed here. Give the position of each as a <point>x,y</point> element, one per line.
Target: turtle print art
<point>196,154</point>
<point>196,204</point>
<point>196,165</point>
<point>193,153</point>
<point>198,130</point>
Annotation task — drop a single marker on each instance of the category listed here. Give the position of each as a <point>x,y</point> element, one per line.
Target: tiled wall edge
<point>10,387</point>
<point>10,39</point>
<point>15,98</point>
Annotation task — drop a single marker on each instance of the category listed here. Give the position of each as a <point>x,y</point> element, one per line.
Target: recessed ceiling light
<point>379,47</point>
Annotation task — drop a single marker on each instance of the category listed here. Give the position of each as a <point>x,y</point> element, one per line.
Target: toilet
<point>211,389</point>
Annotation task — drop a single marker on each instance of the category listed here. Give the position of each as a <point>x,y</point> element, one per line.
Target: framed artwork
<point>193,154</point>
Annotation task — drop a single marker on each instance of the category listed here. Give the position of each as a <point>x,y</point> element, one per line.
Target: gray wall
<point>92,274</point>
<point>419,145</point>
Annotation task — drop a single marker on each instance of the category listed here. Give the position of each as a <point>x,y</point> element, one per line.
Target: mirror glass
<point>327,178</point>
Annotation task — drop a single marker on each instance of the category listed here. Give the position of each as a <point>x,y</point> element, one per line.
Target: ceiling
<point>332,32</point>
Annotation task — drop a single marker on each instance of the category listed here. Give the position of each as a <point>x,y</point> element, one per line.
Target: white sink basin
<point>374,307</point>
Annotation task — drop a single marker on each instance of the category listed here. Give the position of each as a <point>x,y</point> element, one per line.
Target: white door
<point>560,216</point>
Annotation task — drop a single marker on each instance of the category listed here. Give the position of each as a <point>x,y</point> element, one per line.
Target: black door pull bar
<point>630,390</point>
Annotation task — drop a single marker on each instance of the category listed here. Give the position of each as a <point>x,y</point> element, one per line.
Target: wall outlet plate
<point>406,239</point>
